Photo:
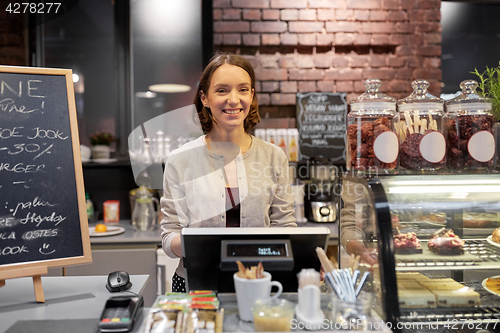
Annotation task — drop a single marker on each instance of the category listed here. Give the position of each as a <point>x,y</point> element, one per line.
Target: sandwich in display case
<point>433,246</point>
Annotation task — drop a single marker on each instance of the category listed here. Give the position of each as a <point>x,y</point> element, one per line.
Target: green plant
<point>489,86</point>
<point>101,138</point>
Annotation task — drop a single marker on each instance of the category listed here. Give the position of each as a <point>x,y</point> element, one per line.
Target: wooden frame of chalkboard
<point>43,216</point>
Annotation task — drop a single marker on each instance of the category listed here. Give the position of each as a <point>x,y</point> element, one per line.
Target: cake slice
<point>411,276</point>
<point>445,242</point>
<point>421,298</point>
<point>441,284</point>
<point>464,297</point>
<point>407,243</point>
<point>410,285</point>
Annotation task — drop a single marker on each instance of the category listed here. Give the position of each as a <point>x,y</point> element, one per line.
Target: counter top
<point>154,237</point>
<point>67,299</point>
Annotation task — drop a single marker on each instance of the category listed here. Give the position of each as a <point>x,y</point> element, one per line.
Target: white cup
<point>250,290</point>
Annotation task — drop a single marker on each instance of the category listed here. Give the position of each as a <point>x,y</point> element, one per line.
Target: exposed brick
<point>270,39</point>
<point>325,86</point>
<point>307,39</point>
<point>307,15</point>
<point>344,15</point>
<point>258,87</point>
<point>221,4</point>
<point>429,27</point>
<point>378,15</point>
<point>432,62</point>
<point>264,99</point>
<point>270,14</point>
<point>429,4</point>
<point>231,39</point>
<point>359,86</point>
<point>378,60</point>
<point>383,74</point>
<point>287,3</point>
<point>362,61</point>
<point>326,14</point>
<point>268,26</point>
<point>269,61</point>
<point>253,60</point>
<point>323,60</point>
<point>217,14</point>
<point>362,39</point>
<point>305,26</point>
<point>378,27</point>
<point>407,4</point>
<point>264,74</point>
<point>238,26</point>
<point>404,27</point>
<point>289,14</point>
<point>390,4</point>
<point>283,99</point>
<point>398,39</point>
<point>306,74</point>
<point>289,39</point>
<point>217,39</point>
<point>428,73</point>
<point>364,4</point>
<point>250,4</point>
<point>340,61</point>
<point>433,38</point>
<point>307,86</point>
<point>396,15</point>
<point>343,26</point>
<point>416,15</point>
<point>342,38</point>
<point>380,39</point>
<point>287,61</point>
<point>288,86</point>
<point>395,62</point>
<point>325,4</point>
<point>414,62</point>
<point>231,14</point>
<point>251,14</point>
<point>346,74</point>
<point>361,15</point>
<point>397,86</point>
<point>270,86</point>
<point>251,39</point>
<point>434,87</point>
<point>429,50</point>
<point>432,15</point>
<point>404,50</point>
<point>324,39</point>
<point>304,61</point>
<point>344,86</point>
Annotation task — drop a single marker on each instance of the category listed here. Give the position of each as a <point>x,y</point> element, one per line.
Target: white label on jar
<point>433,147</point>
<point>386,147</point>
<point>482,146</point>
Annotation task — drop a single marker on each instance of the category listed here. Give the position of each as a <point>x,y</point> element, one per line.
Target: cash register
<point>210,254</point>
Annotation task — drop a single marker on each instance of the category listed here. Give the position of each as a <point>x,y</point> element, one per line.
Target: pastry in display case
<point>439,265</point>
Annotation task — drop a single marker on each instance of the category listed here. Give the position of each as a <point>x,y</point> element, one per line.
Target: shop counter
<point>72,303</point>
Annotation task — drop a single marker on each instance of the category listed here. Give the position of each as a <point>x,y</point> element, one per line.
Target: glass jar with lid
<point>421,130</point>
<point>372,144</point>
<point>471,135</point>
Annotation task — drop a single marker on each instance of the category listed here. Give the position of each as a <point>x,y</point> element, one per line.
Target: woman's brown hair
<point>205,115</point>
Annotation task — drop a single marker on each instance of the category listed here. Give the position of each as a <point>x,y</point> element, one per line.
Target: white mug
<point>250,290</point>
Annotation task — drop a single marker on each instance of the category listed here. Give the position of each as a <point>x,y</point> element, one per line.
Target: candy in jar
<point>421,130</point>
<point>372,144</point>
<point>471,134</point>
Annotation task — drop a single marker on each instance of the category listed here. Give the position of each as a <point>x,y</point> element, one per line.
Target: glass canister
<point>372,144</point>
<point>471,134</point>
<point>421,130</point>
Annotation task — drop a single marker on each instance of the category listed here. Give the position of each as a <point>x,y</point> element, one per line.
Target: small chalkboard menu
<point>321,121</point>
<point>43,221</point>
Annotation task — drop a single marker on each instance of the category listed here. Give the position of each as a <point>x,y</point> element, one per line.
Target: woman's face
<point>229,96</point>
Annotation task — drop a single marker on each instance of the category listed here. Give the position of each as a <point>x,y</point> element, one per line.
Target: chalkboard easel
<point>43,216</point>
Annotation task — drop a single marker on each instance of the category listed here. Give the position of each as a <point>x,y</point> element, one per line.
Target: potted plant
<point>489,86</point>
<point>100,142</point>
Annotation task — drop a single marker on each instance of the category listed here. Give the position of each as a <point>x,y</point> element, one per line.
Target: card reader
<point>120,313</point>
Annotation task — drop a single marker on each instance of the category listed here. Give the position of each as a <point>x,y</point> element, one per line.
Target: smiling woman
<point>217,180</point>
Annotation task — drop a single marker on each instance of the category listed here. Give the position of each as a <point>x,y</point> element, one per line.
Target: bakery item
<point>443,284</point>
<point>419,298</point>
<point>464,297</point>
<point>445,242</point>
<point>480,220</point>
<point>407,243</point>
<point>496,235</point>
<point>433,218</point>
<point>401,276</point>
<point>493,284</point>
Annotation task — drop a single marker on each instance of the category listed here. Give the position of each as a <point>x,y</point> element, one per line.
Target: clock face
<point>256,250</point>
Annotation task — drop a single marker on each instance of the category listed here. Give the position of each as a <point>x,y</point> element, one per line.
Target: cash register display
<point>256,250</point>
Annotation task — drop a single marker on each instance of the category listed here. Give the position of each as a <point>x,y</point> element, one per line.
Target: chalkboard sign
<point>43,221</point>
<point>321,119</point>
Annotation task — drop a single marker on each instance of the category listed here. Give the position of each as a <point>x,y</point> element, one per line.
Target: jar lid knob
<point>373,85</point>
<point>469,86</point>
<point>420,87</point>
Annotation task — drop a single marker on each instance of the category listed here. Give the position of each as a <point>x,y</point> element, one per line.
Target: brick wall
<point>331,45</point>
<point>11,39</point>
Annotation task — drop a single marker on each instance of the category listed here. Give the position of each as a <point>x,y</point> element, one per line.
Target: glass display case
<point>432,245</point>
